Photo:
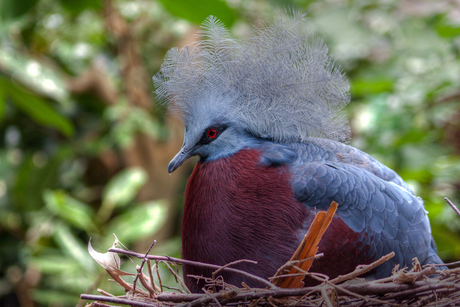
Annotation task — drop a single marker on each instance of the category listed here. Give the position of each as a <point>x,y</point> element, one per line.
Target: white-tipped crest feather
<point>281,81</point>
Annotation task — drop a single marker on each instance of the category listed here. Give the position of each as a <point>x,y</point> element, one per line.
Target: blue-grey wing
<point>372,199</point>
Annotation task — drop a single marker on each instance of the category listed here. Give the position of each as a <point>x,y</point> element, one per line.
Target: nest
<point>419,286</point>
<point>415,287</point>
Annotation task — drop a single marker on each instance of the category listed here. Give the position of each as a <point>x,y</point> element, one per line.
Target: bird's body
<point>264,117</point>
<point>258,203</point>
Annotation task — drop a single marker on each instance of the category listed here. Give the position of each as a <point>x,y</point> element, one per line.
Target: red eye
<point>212,133</point>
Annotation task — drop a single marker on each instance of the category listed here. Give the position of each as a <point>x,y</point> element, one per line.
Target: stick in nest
<point>139,272</point>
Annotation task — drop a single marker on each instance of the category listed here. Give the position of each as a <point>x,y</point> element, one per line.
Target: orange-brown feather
<point>308,248</point>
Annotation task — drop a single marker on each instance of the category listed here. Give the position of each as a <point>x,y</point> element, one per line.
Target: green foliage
<point>76,7</point>
<point>74,212</point>
<point>123,187</point>
<point>127,121</point>
<point>197,11</point>
<point>11,9</point>
<point>138,222</point>
<point>34,106</point>
<point>447,29</point>
<point>60,252</point>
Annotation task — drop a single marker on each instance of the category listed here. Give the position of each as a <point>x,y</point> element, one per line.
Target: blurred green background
<point>84,146</point>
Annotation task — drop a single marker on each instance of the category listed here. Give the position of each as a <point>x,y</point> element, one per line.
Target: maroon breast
<point>237,208</point>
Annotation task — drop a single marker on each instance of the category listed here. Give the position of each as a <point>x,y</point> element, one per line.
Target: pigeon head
<point>279,84</point>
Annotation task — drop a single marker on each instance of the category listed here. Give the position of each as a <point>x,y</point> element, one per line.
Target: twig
<point>214,299</point>
<point>424,288</point>
<point>97,304</point>
<point>173,288</point>
<point>443,264</point>
<point>342,289</point>
<point>326,298</point>
<point>158,275</point>
<point>246,295</point>
<point>361,269</point>
<point>195,263</point>
<point>428,271</point>
<point>144,280</point>
<point>434,297</point>
<point>152,281</point>
<point>232,264</point>
<point>315,275</point>
<point>452,205</point>
<point>242,295</point>
<point>292,275</point>
<point>129,287</point>
<point>375,288</point>
<point>288,265</point>
<point>105,293</point>
<point>178,278</point>
<point>144,259</point>
<point>117,300</point>
<point>207,298</point>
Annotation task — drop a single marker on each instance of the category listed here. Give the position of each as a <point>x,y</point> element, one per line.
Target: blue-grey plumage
<point>372,199</point>
<point>277,97</point>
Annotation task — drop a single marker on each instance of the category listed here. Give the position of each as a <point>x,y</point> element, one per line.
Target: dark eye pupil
<point>212,133</point>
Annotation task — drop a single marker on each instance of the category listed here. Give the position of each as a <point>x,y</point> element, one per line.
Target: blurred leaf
<point>79,6</point>
<point>123,187</point>
<point>447,168</point>
<point>71,210</point>
<point>445,29</point>
<point>139,222</point>
<point>37,108</point>
<point>420,175</point>
<point>50,297</point>
<point>128,121</point>
<point>420,156</point>
<point>54,264</point>
<point>371,85</point>
<point>34,179</point>
<point>71,246</point>
<point>198,11</point>
<point>41,78</point>
<point>120,191</point>
<point>51,262</point>
<point>412,136</point>
<point>434,207</point>
<point>11,9</point>
<point>2,99</point>
<point>446,241</point>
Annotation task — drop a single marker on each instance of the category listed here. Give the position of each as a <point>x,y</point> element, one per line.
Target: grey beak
<point>180,158</point>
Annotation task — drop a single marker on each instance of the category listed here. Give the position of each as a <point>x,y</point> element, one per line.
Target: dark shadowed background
<point>84,146</point>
